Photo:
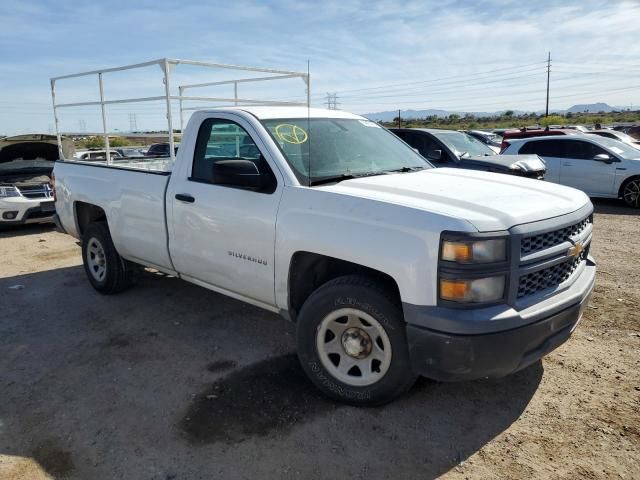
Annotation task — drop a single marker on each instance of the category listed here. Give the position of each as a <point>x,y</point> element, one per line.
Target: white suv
<point>599,166</point>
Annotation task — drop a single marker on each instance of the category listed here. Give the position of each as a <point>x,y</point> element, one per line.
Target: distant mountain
<point>591,108</point>
<point>388,116</point>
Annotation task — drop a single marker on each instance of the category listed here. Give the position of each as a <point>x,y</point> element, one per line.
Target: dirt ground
<point>170,381</point>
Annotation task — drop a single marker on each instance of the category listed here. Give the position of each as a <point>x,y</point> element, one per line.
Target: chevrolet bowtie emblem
<point>576,250</point>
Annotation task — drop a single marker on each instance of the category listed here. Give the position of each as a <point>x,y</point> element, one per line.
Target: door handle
<point>185,197</point>
<point>567,164</point>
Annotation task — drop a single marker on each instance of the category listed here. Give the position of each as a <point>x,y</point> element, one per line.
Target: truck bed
<point>148,164</point>
<point>132,195</point>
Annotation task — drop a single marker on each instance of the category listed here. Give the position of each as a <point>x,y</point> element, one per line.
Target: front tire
<point>631,192</point>
<point>106,270</point>
<point>352,342</point>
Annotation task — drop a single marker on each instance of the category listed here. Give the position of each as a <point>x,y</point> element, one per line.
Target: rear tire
<point>106,270</point>
<point>630,192</point>
<point>352,342</point>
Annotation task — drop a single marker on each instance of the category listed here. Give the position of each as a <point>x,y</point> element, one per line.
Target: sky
<point>482,56</point>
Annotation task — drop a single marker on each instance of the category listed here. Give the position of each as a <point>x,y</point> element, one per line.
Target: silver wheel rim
<point>353,347</point>
<point>96,259</point>
<point>631,194</point>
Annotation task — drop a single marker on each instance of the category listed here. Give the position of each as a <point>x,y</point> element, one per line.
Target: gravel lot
<point>171,381</point>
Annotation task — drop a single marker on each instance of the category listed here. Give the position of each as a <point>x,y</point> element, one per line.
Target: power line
<point>437,79</point>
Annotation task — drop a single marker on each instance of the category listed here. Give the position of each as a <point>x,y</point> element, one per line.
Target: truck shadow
<point>179,376</point>
<point>436,425</point>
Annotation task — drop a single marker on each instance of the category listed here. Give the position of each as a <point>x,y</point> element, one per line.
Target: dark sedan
<point>450,148</point>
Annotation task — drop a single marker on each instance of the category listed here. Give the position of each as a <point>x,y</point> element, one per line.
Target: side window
<point>584,150</point>
<point>545,148</point>
<point>430,145</point>
<point>220,141</point>
<point>402,135</point>
<point>425,144</point>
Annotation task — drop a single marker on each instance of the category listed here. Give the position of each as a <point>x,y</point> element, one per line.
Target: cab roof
<point>266,112</point>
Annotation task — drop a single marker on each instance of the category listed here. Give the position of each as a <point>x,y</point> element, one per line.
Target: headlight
<point>474,251</point>
<point>477,290</point>
<point>10,191</point>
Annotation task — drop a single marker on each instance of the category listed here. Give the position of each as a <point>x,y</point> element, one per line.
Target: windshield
<point>619,148</point>
<point>461,143</point>
<point>340,147</point>
<point>21,164</point>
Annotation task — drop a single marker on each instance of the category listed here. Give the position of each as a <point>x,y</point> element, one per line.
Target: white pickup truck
<point>390,268</point>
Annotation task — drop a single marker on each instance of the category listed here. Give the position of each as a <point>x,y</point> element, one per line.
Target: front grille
<point>548,277</point>
<point>551,239</point>
<point>36,191</point>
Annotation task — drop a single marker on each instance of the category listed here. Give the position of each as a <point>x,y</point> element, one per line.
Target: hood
<point>489,201</point>
<point>526,163</point>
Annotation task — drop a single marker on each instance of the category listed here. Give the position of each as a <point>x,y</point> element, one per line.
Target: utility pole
<point>399,120</point>
<point>546,114</point>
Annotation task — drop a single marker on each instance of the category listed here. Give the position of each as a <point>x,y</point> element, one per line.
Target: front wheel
<point>631,192</point>
<point>352,342</point>
<point>106,270</point>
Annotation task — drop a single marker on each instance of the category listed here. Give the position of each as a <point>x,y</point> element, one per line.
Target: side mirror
<point>435,155</point>
<point>603,157</point>
<point>237,173</point>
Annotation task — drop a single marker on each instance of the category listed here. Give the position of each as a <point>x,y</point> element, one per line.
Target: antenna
<point>309,121</point>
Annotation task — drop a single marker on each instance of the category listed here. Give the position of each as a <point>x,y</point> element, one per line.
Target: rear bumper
<point>446,356</point>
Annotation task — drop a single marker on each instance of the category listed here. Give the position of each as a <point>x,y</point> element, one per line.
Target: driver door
<point>224,235</point>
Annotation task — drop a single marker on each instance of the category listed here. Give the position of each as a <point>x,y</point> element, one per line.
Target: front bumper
<point>20,211</point>
<point>446,356</point>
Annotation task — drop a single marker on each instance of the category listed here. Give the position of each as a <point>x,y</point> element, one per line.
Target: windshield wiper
<point>406,169</point>
<point>344,176</point>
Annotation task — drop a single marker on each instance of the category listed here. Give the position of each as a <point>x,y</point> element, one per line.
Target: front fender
<point>399,241</point>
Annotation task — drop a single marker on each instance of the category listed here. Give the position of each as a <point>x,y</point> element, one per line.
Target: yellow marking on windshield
<point>290,133</point>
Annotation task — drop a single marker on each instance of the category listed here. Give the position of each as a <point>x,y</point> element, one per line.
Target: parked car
<point>130,152</point>
<point>599,166</point>
<point>450,148</point>
<point>617,135</point>
<point>580,128</point>
<point>94,154</point>
<point>160,150</point>
<point>633,131</point>
<point>490,139</point>
<point>390,268</point>
<point>26,163</point>
<point>534,132</point>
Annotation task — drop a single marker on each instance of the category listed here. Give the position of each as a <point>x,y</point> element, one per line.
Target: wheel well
<point>624,184</point>
<point>308,271</point>
<point>87,213</point>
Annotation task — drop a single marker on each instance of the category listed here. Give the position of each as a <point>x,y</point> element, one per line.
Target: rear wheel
<point>352,342</point>
<point>106,270</point>
<point>631,192</point>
